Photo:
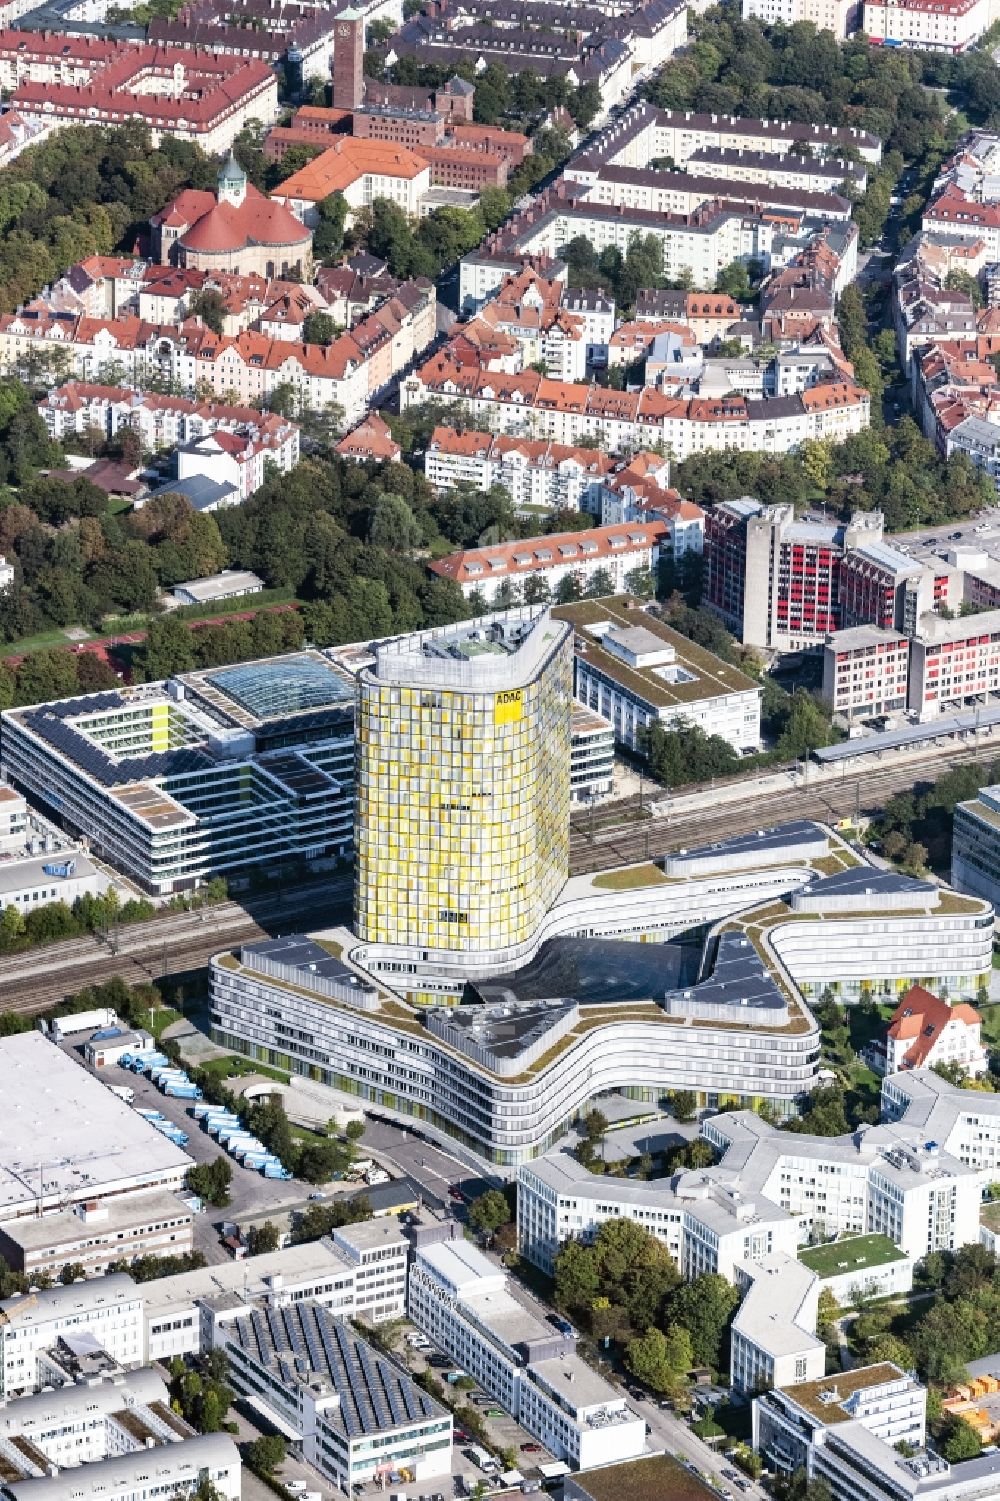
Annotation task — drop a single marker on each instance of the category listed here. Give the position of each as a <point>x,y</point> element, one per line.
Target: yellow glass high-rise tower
<point>463,783</point>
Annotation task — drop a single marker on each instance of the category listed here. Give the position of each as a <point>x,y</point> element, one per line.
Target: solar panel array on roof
<point>97,763</point>
<point>303,1340</point>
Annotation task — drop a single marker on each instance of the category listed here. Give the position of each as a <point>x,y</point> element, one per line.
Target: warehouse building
<point>96,1233</point>
<point>68,1140</point>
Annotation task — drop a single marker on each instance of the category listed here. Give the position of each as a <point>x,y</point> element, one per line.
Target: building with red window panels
<point>865,671</point>
<point>879,585</point>
<point>774,580</point>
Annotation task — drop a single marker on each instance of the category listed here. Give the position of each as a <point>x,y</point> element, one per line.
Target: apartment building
<point>842,17</point>
<point>507,572</point>
<point>377,1251</point>
<point>554,475</point>
<point>951,26</point>
<point>468,1307</point>
<point>191,94</point>
<point>776,581</point>
<point>954,661</point>
<point>636,671</point>
<point>531,405</point>
<point>592,756</point>
<point>779,169</point>
<point>243,368</point>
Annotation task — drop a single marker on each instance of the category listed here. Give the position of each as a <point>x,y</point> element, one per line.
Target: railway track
<point>32,981</point>
<point>631,839</point>
<point>177,942</point>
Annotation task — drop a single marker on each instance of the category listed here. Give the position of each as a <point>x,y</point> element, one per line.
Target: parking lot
<point>502,1431</point>
<point>249,1192</point>
<point>980,533</point>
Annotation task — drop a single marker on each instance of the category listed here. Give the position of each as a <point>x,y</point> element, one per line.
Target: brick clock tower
<point>349,60</point>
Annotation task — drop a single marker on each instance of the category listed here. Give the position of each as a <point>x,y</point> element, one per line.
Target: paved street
<point>428,1163</point>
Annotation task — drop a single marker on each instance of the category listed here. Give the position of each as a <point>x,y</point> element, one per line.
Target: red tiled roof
<point>535,554</point>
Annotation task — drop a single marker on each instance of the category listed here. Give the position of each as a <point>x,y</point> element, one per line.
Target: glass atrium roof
<point>287,685</point>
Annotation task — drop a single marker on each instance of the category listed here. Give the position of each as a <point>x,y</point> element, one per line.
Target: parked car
<point>531,1448</point>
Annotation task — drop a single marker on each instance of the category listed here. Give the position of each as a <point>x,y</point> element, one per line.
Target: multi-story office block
<point>203,775</point>
<point>773,1340</point>
<point>109,1309</point>
<point>975,845</point>
<point>495,1333</point>
<point>353,1412</point>
<point>776,580</point>
<point>637,672</point>
<point>843,1429</point>
<point>462,817</point>
<point>592,756</point>
<point>115,1434</point>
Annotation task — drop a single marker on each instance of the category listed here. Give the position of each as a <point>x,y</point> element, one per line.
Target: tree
<point>210,1181</point>
<point>210,307</point>
<point>660,1361</point>
<point>73,1271</point>
<point>959,1440</point>
<point>319,328</point>
<point>266,1453</point>
<point>705,1308</point>
<point>683,1104</point>
<point>264,1238</point>
<point>489,1211</point>
<point>355,1130</point>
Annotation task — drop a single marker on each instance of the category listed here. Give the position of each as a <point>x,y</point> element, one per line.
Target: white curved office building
<point>507,1076</point>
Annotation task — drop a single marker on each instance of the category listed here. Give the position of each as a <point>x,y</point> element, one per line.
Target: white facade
<point>929,25</point>
<point>95,1236</point>
<point>174,1470</point>
<point>509,568</point>
<point>318,1271</point>
<point>636,671</point>
<point>378,1252</point>
<point>842,1429</point>
<point>109,1308</point>
<point>975,847</point>
<point>839,16</point>
<point>773,1337</point>
<point>355,1415</point>
<point>465,1305</point>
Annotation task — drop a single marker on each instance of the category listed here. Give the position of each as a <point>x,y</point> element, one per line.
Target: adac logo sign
<point>507,706</point>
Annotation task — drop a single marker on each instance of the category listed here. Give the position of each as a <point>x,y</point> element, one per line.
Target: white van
<point>485,1461</point>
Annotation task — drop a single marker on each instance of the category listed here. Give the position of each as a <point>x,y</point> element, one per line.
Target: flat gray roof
<point>66,1134</point>
<point>910,734</point>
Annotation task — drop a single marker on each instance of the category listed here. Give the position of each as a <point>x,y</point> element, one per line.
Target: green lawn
<point>157,1021</point>
<point>629,878</point>
<point>42,640</point>
<point>861,1252</point>
<point>237,1067</point>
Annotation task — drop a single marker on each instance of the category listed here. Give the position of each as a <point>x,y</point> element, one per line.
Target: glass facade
<point>462,811</point>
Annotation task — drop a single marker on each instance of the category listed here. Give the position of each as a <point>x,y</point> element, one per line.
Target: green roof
<point>711,676</point>
<point>861,1253</point>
